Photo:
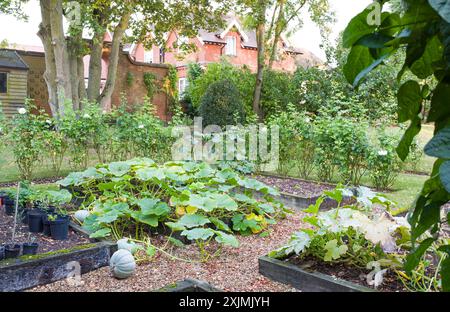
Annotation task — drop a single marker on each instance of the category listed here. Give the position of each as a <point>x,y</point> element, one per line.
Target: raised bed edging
<point>24,274</point>
<point>189,285</point>
<point>28,272</point>
<point>290,274</point>
<point>300,202</point>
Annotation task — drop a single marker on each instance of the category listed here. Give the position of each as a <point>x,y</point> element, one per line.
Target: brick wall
<point>136,91</point>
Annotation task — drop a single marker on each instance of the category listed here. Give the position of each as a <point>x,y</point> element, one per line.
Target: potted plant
<point>30,247</point>
<point>59,226</point>
<point>55,221</point>
<point>13,250</point>
<point>35,220</point>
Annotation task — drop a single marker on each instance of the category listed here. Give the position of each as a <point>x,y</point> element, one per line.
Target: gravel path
<point>236,269</point>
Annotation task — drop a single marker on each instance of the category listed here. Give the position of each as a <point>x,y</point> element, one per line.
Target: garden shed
<point>13,81</point>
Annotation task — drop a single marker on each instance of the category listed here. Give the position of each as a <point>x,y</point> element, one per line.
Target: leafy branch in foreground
<point>422,29</point>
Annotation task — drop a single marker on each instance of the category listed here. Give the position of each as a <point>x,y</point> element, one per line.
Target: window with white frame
<point>182,86</point>
<point>3,82</point>
<point>148,56</point>
<point>230,48</point>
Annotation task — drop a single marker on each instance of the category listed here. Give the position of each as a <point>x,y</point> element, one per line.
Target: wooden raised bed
<point>30,271</point>
<point>303,280</point>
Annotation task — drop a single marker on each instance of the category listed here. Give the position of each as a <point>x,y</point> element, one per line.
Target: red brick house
<point>237,45</point>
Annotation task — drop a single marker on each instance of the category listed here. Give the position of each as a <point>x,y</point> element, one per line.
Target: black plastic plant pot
<point>29,248</point>
<point>59,229</point>
<point>12,251</point>
<point>2,253</point>
<point>9,206</point>
<point>46,226</point>
<point>35,224</point>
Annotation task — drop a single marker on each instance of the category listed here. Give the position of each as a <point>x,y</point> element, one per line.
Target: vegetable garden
<point>112,206</point>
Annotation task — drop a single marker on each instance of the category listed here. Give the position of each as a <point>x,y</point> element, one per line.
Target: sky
<point>308,37</point>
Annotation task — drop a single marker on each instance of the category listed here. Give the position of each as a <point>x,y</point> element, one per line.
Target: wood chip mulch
<point>235,269</point>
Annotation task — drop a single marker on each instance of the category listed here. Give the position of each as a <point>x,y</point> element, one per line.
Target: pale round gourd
<point>124,244</point>
<point>81,215</point>
<point>122,264</point>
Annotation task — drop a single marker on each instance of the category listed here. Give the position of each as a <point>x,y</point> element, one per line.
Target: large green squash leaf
<point>442,7</point>
<point>439,146</point>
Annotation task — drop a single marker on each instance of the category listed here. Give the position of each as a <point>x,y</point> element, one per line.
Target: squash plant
<point>135,198</point>
<point>363,235</point>
<point>422,29</point>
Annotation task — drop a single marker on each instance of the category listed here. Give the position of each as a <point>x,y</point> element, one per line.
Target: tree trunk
<point>63,75</point>
<point>50,67</point>
<point>278,30</point>
<point>119,31</point>
<point>260,34</point>
<point>95,66</point>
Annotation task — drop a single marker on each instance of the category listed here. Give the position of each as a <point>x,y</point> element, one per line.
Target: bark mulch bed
<point>236,269</point>
<point>46,244</point>
<point>296,186</point>
<point>348,273</point>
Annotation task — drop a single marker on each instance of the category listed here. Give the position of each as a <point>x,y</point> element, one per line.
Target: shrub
<point>296,141</point>
<point>384,164</point>
<point>26,139</point>
<point>221,105</point>
<point>242,78</point>
<point>341,144</point>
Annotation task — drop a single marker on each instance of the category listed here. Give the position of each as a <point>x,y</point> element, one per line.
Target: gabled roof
<point>11,59</point>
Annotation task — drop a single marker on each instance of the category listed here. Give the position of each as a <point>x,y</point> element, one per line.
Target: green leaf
<point>334,251</point>
<point>413,259</point>
<point>429,216</point>
<point>407,139</point>
<point>175,226</point>
<point>409,101</point>
<point>220,225</point>
<point>442,7</point>
<point>374,41</point>
<point>119,169</point>
<point>149,220</point>
<point>198,234</point>
<point>151,206</point>
<point>439,146</point>
<point>101,233</point>
<point>109,217</point>
<point>176,242</point>
<point>358,60</point>
<point>440,108</point>
<point>445,274</point>
<point>444,173</point>
<point>357,28</point>
<point>151,251</point>
<point>191,221</point>
<point>147,174</point>
<point>226,239</point>
<point>423,67</point>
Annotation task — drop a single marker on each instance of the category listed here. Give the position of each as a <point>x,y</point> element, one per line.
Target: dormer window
<point>230,48</point>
